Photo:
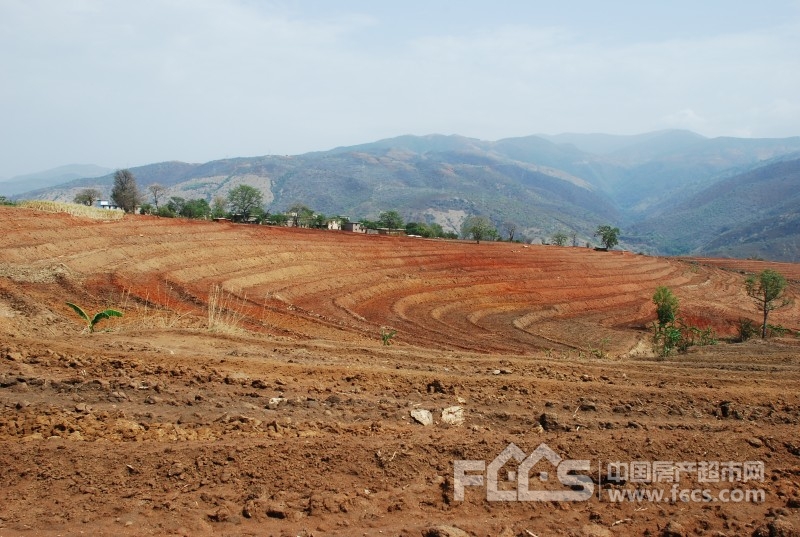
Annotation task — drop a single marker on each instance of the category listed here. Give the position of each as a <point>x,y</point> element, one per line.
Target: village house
<point>355,227</point>
<point>106,204</point>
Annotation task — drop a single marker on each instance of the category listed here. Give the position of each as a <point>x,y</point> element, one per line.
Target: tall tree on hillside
<point>125,193</point>
<point>87,196</point>
<point>244,199</point>
<point>767,291</point>
<point>608,236</point>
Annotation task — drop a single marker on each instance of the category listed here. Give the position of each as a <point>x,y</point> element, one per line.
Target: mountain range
<point>670,192</point>
<point>46,179</point>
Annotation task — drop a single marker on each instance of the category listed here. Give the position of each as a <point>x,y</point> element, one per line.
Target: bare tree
<point>125,193</point>
<point>156,190</point>
<point>510,229</point>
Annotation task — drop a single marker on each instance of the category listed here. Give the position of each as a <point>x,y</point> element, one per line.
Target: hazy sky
<point>122,83</point>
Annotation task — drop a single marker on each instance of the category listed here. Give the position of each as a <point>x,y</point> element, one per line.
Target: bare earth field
<point>247,389</point>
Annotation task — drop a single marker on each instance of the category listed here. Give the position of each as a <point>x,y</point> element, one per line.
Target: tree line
<point>245,203</point>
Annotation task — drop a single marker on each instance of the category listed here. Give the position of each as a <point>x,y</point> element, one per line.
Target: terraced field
<point>246,390</point>
<point>491,297</point>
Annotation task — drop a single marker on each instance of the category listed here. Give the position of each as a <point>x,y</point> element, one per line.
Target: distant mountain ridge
<point>652,186</point>
<point>48,178</point>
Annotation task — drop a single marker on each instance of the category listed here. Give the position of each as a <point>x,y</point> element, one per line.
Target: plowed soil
<point>248,389</point>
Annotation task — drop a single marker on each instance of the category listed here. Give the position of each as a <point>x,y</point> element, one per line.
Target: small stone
<point>436,387</point>
<point>673,529</point>
<point>445,531</point>
<point>779,527</point>
<point>220,515</point>
<point>595,530</point>
<point>755,442</point>
<point>277,510</point>
<point>548,421</point>
<point>422,416</point>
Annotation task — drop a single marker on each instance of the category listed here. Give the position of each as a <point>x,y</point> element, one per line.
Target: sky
<point>122,83</point>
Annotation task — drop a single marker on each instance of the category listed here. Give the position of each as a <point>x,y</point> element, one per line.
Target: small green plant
<point>747,329</point>
<point>387,335</point>
<point>670,332</point>
<point>600,351</point>
<point>776,330</point>
<point>666,305</point>
<point>666,338</point>
<point>92,321</point>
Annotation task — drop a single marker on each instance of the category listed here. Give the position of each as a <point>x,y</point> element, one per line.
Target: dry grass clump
<point>73,209</point>
<point>158,311</point>
<point>225,312</point>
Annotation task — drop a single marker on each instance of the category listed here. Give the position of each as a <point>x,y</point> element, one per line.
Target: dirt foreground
<point>247,389</point>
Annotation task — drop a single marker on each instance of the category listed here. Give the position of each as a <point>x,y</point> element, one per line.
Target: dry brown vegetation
<point>247,391</point>
<point>75,209</point>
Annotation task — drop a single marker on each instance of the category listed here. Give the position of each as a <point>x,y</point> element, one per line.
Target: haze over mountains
<point>25,183</point>
<point>670,192</point>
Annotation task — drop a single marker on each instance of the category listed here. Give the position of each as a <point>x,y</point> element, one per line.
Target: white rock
<point>453,415</point>
<point>422,416</point>
<point>275,402</point>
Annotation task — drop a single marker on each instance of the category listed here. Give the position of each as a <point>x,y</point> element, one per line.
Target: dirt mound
<point>247,389</point>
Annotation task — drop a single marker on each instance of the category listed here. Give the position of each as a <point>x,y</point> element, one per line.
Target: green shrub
<point>746,329</point>
<point>776,330</point>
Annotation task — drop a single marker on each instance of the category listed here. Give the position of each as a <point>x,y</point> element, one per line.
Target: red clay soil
<point>247,389</point>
